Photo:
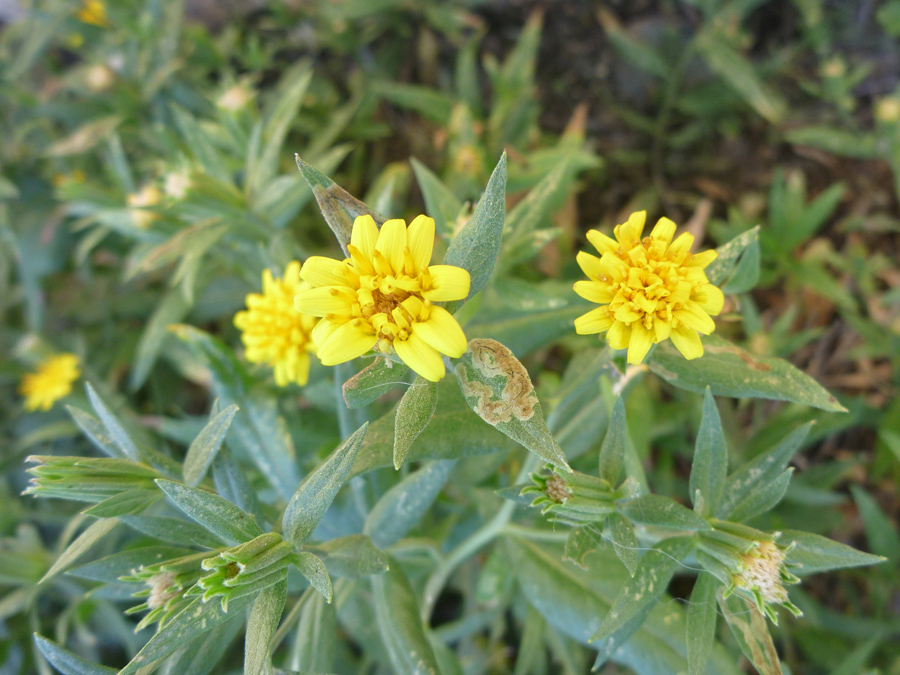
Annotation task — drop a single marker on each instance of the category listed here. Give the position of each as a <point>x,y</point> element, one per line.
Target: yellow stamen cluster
<point>762,573</point>
<point>650,289</point>
<point>383,297</point>
<point>52,381</point>
<point>273,332</point>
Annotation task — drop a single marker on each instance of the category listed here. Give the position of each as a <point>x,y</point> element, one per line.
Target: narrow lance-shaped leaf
<point>612,452</point>
<point>264,617</point>
<point>312,567</point>
<point>400,625</point>
<point>216,514</point>
<point>312,499</point>
<point>95,431</point>
<point>80,545</point>
<point>728,253</point>
<point>316,636</point>
<point>813,553</point>
<point>440,202</point>
<point>477,244</point>
<point>232,484</point>
<point>66,662</point>
<point>731,371</point>
<point>413,414</point>
<point>338,206</point>
<point>624,541</point>
<point>661,511</point>
<point>173,530</point>
<point>710,465</point>
<point>763,499</point>
<point>701,623</point>
<point>351,557</point>
<point>372,381</point>
<point>204,448</point>
<point>497,387</point>
<point>403,505</point>
<point>748,625</point>
<point>116,431</point>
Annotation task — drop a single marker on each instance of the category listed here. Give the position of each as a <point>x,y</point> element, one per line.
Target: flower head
<point>52,381</point>
<point>649,289</point>
<point>149,195</point>
<point>93,12</point>
<point>383,296</point>
<point>275,333</point>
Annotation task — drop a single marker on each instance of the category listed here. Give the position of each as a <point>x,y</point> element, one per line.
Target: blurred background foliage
<point>147,177</point>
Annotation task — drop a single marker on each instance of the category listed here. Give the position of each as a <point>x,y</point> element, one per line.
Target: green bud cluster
<point>572,496</point>
<point>166,585</point>
<point>247,568</point>
<point>87,479</point>
<point>750,563</point>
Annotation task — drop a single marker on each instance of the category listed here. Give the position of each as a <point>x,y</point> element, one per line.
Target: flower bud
<point>572,496</point>
<point>87,479</point>
<point>166,584</point>
<point>246,568</point>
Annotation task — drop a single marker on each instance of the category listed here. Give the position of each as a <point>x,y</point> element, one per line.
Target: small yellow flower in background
<point>273,332</point>
<point>52,381</point>
<point>94,13</point>
<point>650,289</point>
<point>887,110</point>
<point>149,195</point>
<point>383,296</point>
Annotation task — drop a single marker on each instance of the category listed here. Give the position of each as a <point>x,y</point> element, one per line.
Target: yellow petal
<point>681,247</point>
<point>687,341</point>
<point>661,329</point>
<point>694,317</point>
<point>442,332</point>
<point>595,321</point>
<point>392,242</point>
<point>640,342</point>
<point>323,330</point>
<point>613,267</point>
<point>627,314</point>
<point>325,300</point>
<point>421,357</point>
<point>710,298</point>
<point>619,335</point>
<point>629,232</point>
<point>602,243</point>
<point>321,271</point>
<point>350,340</point>
<point>420,239</point>
<point>589,264</point>
<point>594,291</point>
<point>702,259</point>
<point>447,283</point>
<point>663,231</point>
<point>364,235</point>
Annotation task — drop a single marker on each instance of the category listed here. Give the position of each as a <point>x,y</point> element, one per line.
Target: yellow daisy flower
<point>273,332</point>
<point>383,296</point>
<point>52,381</point>
<point>93,12</point>
<point>649,289</point>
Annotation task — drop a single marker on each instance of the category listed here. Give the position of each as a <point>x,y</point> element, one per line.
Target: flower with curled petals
<point>273,332</point>
<point>648,289</point>
<point>384,297</point>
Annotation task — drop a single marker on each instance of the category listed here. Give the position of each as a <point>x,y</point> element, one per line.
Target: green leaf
<point>748,625</point>
<point>338,206</point>
<point>264,617</point>
<point>710,466</point>
<point>728,254</point>
<point>216,514</point>
<point>413,414</point>
<point>204,448</point>
<point>95,431</point>
<point>372,381</point>
<point>403,505</point>
<point>432,104</point>
<point>84,137</point>
<point>661,511</point>
<point>312,499</point>
<point>115,429</point>
<point>880,531</point>
<point>200,656</point>
<point>316,638</point>
<point>125,503</point>
<point>452,433</point>
<point>582,541</point>
<point>110,568</point>
<point>312,567</point>
<point>81,545</point>
<point>173,530</point>
<point>837,141</point>
<point>351,557</point>
<point>812,553</point>
<point>746,273</point>
<point>612,452</point>
<point>650,580</point>
<point>440,201</point>
<point>66,662</point>
<point>762,470</point>
<point>477,244</point>
<point>763,499</point>
<point>731,371</point>
<point>400,625</point>
<point>232,484</point>
<point>701,622</point>
<point>624,541</point>
<point>194,620</point>
<point>171,309</point>
<point>497,387</point>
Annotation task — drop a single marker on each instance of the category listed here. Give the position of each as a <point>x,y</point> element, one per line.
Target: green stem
<point>534,535</point>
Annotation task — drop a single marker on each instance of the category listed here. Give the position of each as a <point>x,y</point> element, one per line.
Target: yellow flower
<point>149,195</point>
<point>52,381</point>
<point>650,289</point>
<point>273,332</point>
<point>93,12</point>
<point>383,296</point>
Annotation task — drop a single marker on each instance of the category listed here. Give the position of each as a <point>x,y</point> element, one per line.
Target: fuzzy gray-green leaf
<point>372,381</point>
<point>351,557</point>
<point>80,545</point>
<point>748,625</point>
<point>701,622</point>
<point>204,448</point>
<point>710,465</point>
<point>624,541</point>
<point>413,414</point>
<point>662,511</point>
<point>216,514</point>
<point>312,499</point>
<point>264,617</point>
<point>66,662</point>
<point>814,553</point>
<point>612,452</point>
<point>440,202</point>
<point>728,254</point>
<point>497,387</point>
<point>116,431</point>
<point>312,567</point>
